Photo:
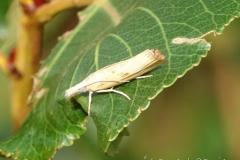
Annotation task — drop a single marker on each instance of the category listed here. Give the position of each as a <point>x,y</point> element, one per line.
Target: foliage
<point>111,31</point>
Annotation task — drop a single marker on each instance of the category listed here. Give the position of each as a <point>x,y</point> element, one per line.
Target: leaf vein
<point>66,44</point>
<point>121,40</point>
<point>209,12</point>
<point>157,19</point>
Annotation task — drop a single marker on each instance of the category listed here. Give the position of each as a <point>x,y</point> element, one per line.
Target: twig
<point>48,10</point>
<point>27,62</point>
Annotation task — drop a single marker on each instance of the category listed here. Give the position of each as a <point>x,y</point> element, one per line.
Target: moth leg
<point>115,91</point>
<point>89,102</point>
<point>142,77</point>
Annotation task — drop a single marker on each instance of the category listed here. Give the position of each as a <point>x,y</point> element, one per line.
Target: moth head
<point>157,54</point>
<point>74,91</point>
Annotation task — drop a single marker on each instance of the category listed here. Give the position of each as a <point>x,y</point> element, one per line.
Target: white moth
<point>103,80</point>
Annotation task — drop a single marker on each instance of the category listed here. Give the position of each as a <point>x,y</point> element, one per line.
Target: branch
<point>48,10</point>
<point>27,62</point>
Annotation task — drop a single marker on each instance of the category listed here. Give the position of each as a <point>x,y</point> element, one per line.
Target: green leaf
<point>3,10</point>
<point>111,31</point>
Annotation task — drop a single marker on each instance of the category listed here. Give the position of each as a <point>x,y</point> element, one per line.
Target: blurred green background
<point>196,118</point>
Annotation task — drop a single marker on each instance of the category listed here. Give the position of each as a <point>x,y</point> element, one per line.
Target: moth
<point>104,79</point>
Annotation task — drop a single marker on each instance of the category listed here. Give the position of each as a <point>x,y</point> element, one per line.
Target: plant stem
<point>27,62</point>
<point>48,10</point>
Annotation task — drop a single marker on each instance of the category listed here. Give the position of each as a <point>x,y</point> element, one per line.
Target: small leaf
<point>111,31</point>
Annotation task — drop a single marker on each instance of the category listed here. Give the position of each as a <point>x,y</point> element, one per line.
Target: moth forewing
<point>118,73</point>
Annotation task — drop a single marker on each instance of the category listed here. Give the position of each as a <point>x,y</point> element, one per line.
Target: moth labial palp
<point>104,79</point>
